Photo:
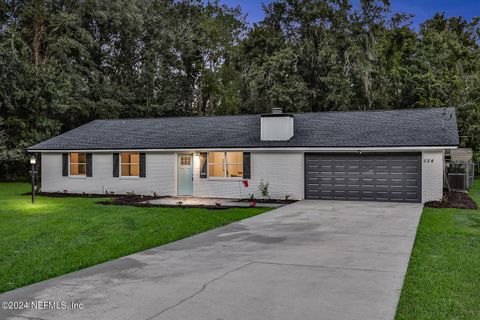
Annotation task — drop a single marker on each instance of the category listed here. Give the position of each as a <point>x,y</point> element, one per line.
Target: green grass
<point>60,235</point>
<point>443,278</point>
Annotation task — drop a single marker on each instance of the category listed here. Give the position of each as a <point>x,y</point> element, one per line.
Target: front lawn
<point>443,278</point>
<point>60,235</point>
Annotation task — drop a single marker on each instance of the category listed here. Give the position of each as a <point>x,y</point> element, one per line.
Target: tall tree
<point>67,62</point>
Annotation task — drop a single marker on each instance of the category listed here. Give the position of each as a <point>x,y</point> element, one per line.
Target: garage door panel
<point>412,195</point>
<point>367,195</point>
<point>396,182</point>
<point>381,183</point>
<point>396,195</point>
<point>409,182</point>
<point>382,196</point>
<point>367,169</point>
<point>353,182</point>
<point>382,169</point>
<point>411,169</point>
<point>327,182</point>
<point>372,177</point>
<point>367,182</point>
<point>396,169</point>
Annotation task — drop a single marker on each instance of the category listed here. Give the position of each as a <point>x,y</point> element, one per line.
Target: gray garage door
<point>369,177</point>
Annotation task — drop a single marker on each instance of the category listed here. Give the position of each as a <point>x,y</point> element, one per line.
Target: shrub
<point>263,188</point>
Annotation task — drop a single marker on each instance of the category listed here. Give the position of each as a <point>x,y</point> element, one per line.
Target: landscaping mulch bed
<point>74,195</point>
<point>117,198</point>
<point>145,204</point>
<point>458,200</point>
<point>142,201</point>
<point>151,205</point>
<point>132,199</point>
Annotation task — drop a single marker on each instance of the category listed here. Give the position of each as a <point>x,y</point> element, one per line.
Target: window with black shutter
<point>143,165</point>
<point>115,165</point>
<point>65,164</point>
<point>203,165</point>
<point>89,165</point>
<point>225,165</point>
<point>246,165</point>
<point>130,164</point>
<point>78,164</point>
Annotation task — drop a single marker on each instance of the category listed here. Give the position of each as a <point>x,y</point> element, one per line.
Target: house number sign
<point>428,160</point>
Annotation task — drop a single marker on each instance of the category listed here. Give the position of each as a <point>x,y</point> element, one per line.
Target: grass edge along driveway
<point>443,277</point>
<point>60,235</point>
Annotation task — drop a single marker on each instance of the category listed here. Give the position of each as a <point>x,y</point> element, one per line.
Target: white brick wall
<point>432,175</point>
<point>160,176</point>
<point>283,171</point>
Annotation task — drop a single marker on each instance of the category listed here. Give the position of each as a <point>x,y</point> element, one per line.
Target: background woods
<point>64,63</point>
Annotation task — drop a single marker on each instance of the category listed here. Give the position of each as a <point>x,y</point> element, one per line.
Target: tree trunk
<point>38,29</point>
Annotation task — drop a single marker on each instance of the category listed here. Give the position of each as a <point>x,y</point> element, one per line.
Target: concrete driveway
<point>309,260</point>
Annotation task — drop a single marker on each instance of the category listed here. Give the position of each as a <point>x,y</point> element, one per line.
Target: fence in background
<point>460,174</point>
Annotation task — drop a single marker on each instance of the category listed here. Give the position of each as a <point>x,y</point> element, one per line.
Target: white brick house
<point>392,155</point>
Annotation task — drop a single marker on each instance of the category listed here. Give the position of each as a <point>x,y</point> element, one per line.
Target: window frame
<point>184,157</point>
<point>225,166</point>
<point>129,164</point>
<point>76,176</point>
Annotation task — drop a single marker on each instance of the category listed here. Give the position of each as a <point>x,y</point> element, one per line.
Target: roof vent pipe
<point>276,110</point>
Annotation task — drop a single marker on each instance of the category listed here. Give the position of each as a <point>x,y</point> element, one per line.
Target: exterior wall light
<point>33,162</point>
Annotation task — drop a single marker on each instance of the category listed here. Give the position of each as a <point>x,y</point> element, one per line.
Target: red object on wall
<point>253,203</point>
<point>245,182</point>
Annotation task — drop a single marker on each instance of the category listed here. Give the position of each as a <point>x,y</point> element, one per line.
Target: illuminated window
<point>130,164</point>
<point>185,161</point>
<point>78,164</point>
<point>225,164</point>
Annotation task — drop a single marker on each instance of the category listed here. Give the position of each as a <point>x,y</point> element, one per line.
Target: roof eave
<point>259,148</point>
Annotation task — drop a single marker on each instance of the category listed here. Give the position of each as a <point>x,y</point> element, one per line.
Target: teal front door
<point>185,175</point>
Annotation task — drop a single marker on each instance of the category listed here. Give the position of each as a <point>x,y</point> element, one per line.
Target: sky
<point>422,9</point>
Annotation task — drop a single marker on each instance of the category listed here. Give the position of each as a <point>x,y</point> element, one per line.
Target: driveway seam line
<point>204,286</point>
<point>30,318</point>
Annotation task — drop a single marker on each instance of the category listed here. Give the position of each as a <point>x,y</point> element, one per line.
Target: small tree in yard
<point>263,188</point>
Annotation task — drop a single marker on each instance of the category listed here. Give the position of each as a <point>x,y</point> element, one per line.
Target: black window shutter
<point>115,165</point>
<point>89,165</point>
<point>246,165</point>
<point>65,164</point>
<point>143,169</point>
<point>203,165</point>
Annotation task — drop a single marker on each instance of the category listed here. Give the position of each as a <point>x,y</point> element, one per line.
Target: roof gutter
<point>273,149</point>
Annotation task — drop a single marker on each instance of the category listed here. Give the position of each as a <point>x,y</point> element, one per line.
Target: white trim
<point>233,179</point>
<point>129,177</point>
<point>249,149</point>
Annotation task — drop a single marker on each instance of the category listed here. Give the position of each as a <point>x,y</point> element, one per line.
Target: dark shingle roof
<point>390,128</point>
